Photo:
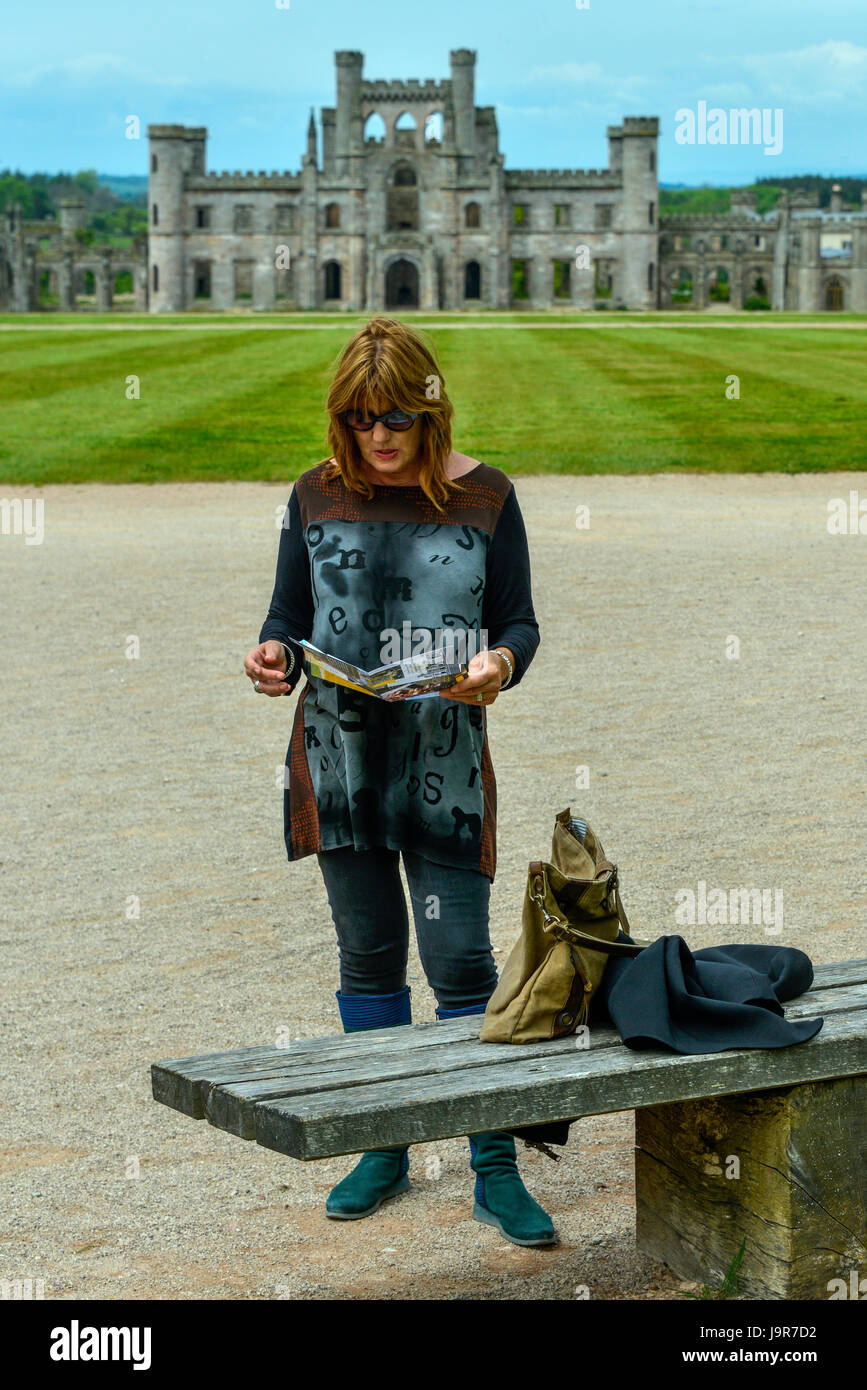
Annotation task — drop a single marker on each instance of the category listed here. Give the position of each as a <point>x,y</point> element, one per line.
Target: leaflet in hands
<point>416,678</point>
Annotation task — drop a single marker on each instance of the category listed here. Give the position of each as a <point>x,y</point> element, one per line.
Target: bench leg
<point>783,1168</point>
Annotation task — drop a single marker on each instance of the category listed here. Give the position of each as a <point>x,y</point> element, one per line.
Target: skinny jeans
<point>450,909</point>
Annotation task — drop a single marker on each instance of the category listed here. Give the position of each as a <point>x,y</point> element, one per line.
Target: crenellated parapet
<point>729,220</point>
<point>177,132</point>
<point>409,92</point>
<point>635,125</point>
<point>563,178</point>
<point>213,183</point>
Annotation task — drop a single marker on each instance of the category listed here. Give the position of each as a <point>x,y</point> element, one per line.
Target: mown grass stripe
<point>250,405</point>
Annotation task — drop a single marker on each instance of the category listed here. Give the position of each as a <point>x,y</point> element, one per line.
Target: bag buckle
<point>540,903</point>
<point>612,885</point>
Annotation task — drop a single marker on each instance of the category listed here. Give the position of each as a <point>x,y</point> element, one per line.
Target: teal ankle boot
<point>501,1199</point>
<point>382,1173</point>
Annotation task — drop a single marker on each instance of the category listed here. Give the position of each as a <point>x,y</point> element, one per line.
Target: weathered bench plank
<point>184,1082</point>
<point>222,1086</point>
<point>511,1093</point>
<point>231,1105</point>
<point>783,1170</point>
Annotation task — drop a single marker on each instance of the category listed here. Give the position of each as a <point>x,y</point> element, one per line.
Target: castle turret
<point>350,65</point>
<point>858,274</point>
<point>175,150</point>
<point>780,274</point>
<point>836,198</point>
<point>633,147</point>
<point>809,269</point>
<point>463,68</point>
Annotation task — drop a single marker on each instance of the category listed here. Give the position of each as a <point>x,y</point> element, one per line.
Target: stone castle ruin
<point>403,202</point>
<point>45,251</point>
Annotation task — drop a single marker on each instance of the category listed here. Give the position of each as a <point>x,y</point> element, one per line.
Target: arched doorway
<point>680,281</point>
<point>472,280</point>
<point>719,284</point>
<point>755,289</point>
<point>834,293</point>
<point>401,285</point>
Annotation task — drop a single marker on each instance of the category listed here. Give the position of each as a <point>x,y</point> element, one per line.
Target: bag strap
<point>611,948</point>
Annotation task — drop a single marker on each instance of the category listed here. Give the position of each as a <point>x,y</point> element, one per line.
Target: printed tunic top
<point>408,774</point>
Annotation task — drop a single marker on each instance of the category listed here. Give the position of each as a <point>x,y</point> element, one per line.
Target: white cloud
<point>606,87</point>
<point>90,70</point>
<point>833,71</point>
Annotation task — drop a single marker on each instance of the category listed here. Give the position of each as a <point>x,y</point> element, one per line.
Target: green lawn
<point>233,398</point>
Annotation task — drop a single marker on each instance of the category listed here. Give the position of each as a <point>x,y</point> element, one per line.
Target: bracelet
<point>499,651</point>
<point>290,659</point>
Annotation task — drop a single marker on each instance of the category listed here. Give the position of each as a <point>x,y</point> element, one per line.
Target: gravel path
<point>157,781</point>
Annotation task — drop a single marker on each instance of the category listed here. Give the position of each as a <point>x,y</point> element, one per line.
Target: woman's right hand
<point>267,665</point>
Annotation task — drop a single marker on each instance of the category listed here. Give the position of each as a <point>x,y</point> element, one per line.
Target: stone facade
<point>403,202</point>
<point>801,259</point>
<point>421,215</point>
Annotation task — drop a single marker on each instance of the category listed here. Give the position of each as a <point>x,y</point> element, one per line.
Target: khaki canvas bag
<point>572,912</point>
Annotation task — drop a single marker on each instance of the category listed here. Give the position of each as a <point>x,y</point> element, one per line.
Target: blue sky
<point>70,75</point>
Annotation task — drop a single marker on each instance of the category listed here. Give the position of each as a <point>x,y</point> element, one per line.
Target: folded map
<point>415,678</point>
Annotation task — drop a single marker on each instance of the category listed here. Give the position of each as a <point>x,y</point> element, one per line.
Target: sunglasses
<point>393,420</point>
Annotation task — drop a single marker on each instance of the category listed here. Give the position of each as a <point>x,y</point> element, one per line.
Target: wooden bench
<point>763,1144</point>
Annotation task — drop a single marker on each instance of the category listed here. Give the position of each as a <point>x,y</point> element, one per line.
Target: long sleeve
<point>508,615</point>
<point>290,615</point>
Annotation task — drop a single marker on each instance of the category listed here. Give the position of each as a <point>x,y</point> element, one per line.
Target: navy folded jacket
<point>712,1000</point>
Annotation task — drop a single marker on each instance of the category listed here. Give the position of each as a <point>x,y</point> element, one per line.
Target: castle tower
<point>463,70</point>
<point>174,151</point>
<point>809,271</point>
<point>16,298</point>
<point>633,151</point>
<point>349,65</point>
<point>858,274</point>
<point>779,275</point>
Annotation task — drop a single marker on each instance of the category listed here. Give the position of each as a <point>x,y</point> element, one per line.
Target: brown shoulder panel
<point>478,503</point>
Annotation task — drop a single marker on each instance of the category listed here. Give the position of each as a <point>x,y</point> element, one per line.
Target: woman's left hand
<point>484,677</point>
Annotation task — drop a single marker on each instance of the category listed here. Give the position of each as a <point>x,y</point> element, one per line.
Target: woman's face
<point>391,454</point>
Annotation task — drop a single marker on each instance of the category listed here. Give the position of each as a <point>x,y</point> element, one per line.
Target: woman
<point>398,533</point>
